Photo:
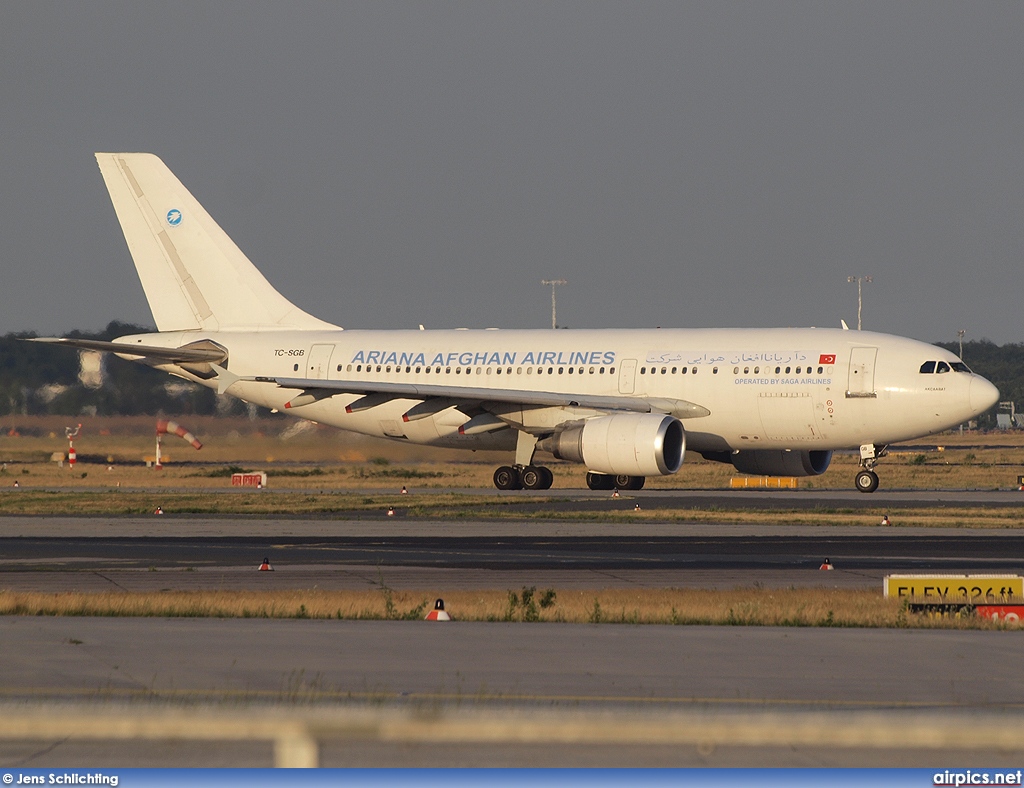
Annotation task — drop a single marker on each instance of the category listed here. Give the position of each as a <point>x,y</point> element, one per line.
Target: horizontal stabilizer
<point>186,354</point>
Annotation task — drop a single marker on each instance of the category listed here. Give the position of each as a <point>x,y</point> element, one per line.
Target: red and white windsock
<point>165,427</point>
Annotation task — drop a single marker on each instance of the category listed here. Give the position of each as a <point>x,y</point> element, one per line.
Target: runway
<point>610,667</point>
<point>182,552</point>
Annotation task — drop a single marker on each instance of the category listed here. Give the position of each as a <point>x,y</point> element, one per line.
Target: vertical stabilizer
<point>193,274</point>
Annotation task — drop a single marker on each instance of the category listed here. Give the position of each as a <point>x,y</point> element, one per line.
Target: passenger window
<point>778,370</point>
<point>746,370</point>
<point>819,370</point>
<point>295,368</point>
<point>489,370</point>
<point>643,370</point>
<point>787,370</point>
<point>560,370</point>
<point>359,367</point>
<point>529,370</point>
<point>714,371</point>
<point>611,371</point>
<point>941,367</point>
<point>757,370</point>
<point>601,372</point>
<point>417,370</point>
<point>591,370</point>
<point>735,370</point>
<point>683,370</point>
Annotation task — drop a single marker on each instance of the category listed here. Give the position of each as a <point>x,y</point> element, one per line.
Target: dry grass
<point>302,456</point>
<point>462,506</point>
<point>741,607</point>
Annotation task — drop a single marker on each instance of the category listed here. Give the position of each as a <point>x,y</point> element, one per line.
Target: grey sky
<point>388,164</point>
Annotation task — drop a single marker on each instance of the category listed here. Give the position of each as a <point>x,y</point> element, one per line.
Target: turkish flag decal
<point>827,358</point>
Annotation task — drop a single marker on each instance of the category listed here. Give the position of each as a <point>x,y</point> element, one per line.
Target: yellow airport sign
<point>956,589</point>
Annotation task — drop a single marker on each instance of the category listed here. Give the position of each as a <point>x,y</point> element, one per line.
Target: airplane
<point>627,404</point>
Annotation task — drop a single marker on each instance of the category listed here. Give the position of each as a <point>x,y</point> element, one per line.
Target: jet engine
<point>631,444</point>
<point>775,462</point>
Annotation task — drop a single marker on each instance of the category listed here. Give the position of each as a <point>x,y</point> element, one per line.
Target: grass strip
<point>790,607</point>
<point>460,506</point>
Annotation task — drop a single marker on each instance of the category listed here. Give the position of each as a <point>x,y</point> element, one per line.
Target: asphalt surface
<point>428,667</point>
<point>608,666</point>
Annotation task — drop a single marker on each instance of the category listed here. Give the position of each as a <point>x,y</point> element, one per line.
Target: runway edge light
<point>438,613</point>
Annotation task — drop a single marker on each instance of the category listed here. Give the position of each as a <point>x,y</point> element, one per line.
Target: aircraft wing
<point>315,388</point>
<point>187,354</point>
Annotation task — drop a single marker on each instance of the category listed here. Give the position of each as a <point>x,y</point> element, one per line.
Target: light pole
<point>960,336</point>
<point>554,283</point>
<point>859,280</point>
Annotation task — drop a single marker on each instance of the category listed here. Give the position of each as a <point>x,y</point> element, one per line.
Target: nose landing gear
<point>866,480</point>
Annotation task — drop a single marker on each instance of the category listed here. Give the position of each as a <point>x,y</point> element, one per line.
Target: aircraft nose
<point>983,395</point>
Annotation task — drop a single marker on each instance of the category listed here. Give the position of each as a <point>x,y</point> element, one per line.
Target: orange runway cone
<point>391,511</point>
<point>158,510</point>
<point>636,508</point>
<point>885,520</point>
<point>826,564</point>
<point>615,493</point>
<point>438,613</point>
<point>265,566</point>
<point>404,491</point>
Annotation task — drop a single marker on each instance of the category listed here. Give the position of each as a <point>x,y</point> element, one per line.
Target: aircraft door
<point>627,376</point>
<point>862,372</point>
<point>318,362</point>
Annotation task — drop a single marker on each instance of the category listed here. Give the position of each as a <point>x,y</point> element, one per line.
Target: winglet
<point>843,324</point>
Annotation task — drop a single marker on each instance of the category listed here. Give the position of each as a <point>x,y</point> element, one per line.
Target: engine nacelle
<point>628,444</point>
<point>777,462</point>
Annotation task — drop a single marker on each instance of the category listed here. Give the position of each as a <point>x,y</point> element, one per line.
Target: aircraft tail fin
<point>194,275</point>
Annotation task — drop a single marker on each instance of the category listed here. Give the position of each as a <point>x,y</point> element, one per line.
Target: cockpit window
<point>959,366</point>
<point>941,367</point>
<point>927,367</point>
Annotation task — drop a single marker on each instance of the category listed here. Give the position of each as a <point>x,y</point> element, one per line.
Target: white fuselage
<point>793,388</point>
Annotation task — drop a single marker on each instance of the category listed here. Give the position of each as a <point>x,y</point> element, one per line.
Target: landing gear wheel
<point>536,478</point>
<point>600,481</point>
<point>507,478</point>
<point>630,482</point>
<point>866,481</point>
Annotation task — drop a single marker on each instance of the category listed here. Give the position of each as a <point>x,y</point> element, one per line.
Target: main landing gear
<point>523,477</point>
<point>866,480</point>
<point>604,481</point>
